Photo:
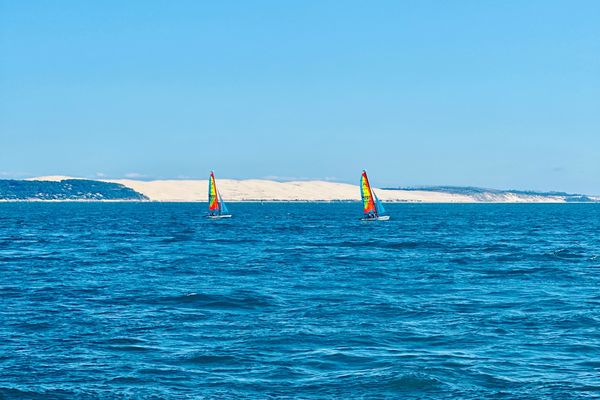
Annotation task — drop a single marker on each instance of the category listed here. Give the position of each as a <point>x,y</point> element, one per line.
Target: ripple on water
<point>299,301</point>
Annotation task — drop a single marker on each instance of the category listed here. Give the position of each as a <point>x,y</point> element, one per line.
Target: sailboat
<point>216,206</point>
<point>372,208</point>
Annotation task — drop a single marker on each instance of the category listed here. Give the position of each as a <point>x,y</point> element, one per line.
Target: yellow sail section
<point>213,199</point>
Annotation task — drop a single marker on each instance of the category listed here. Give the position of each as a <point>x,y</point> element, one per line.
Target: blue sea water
<point>149,300</point>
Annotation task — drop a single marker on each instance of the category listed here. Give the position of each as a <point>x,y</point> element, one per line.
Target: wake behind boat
<point>216,206</point>
<point>372,208</point>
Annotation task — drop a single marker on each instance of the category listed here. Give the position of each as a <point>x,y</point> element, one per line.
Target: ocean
<point>299,300</point>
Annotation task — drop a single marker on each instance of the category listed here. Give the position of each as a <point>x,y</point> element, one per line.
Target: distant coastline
<point>63,188</point>
<point>66,190</point>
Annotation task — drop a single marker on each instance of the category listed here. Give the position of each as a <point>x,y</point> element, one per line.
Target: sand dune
<point>267,190</point>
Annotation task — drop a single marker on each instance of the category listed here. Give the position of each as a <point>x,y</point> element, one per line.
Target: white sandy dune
<point>267,190</point>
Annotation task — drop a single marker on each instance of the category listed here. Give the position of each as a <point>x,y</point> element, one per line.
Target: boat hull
<point>380,218</point>
<point>218,216</point>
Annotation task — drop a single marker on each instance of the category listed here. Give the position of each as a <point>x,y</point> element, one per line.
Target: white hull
<point>380,218</point>
<point>218,216</point>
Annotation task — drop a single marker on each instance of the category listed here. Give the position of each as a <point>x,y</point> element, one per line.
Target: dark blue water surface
<point>138,300</point>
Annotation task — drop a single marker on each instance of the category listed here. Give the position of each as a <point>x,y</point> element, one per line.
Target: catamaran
<point>372,208</point>
<point>216,206</point>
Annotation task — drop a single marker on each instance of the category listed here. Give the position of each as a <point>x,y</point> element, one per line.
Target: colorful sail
<point>379,209</point>
<point>222,205</point>
<point>216,206</point>
<point>366,194</point>
<point>213,195</point>
<point>372,208</point>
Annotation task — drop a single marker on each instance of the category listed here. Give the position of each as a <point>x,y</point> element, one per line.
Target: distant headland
<point>63,188</point>
<point>66,190</point>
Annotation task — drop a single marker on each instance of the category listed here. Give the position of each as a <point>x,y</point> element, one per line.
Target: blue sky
<point>502,94</point>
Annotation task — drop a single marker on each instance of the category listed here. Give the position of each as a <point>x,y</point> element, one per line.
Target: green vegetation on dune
<point>70,189</point>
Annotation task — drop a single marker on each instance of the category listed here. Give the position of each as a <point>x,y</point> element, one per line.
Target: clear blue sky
<point>502,94</point>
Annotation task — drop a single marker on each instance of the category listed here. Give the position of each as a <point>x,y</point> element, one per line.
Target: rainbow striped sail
<point>216,205</point>
<point>366,194</point>
<point>372,207</point>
